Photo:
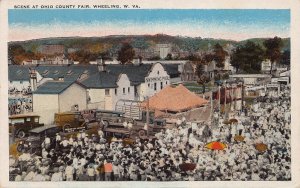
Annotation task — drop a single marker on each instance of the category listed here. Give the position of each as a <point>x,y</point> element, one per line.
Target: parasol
<point>215,145</point>
<point>261,147</point>
<point>187,166</point>
<point>226,122</point>
<point>239,138</point>
<point>233,120</point>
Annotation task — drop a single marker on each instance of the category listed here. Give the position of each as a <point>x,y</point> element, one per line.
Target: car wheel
<point>21,134</point>
<point>66,127</point>
<point>19,148</point>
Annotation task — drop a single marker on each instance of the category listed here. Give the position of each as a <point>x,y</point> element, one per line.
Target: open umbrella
<point>215,145</point>
<point>233,120</point>
<point>187,166</point>
<point>239,138</point>
<point>226,122</point>
<point>261,147</point>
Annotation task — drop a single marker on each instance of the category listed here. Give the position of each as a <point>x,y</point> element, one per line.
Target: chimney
<point>101,65</point>
<point>140,60</point>
<point>33,79</point>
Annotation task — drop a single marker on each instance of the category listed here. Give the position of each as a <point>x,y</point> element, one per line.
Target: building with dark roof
<point>104,84</point>
<point>58,96</point>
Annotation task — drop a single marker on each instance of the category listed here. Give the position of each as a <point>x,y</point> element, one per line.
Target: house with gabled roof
<point>58,96</point>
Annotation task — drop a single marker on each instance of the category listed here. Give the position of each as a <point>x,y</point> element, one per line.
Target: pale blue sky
<point>236,24</point>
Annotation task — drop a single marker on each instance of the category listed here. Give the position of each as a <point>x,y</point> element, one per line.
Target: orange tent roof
<point>175,99</point>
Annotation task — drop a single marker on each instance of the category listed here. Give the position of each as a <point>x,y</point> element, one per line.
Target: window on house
<point>154,86</point>
<point>158,72</point>
<point>45,72</point>
<point>69,72</point>
<point>116,91</point>
<point>106,91</point>
<point>149,85</point>
<point>161,85</point>
<point>123,90</point>
<point>128,89</point>
<point>166,82</point>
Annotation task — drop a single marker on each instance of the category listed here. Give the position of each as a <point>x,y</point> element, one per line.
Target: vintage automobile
<point>117,133</point>
<point>21,124</point>
<point>108,117</point>
<point>70,121</point>
<point>155,124</point>
<point>36,137</point>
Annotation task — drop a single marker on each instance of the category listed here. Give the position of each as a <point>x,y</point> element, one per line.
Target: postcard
<point>135,93</point>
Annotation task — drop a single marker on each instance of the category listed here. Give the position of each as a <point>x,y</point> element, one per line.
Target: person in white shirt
<point>47,142</point>
<point>65,143</point>
<point>116,171</point>
<point>91,172</point>
<point>30,175</point>
<point>69,171</point>
<point>19,176</point>
<point>38,176</point>
<point>100,133</point>
<point>57,176</point>
<point>129,125</point>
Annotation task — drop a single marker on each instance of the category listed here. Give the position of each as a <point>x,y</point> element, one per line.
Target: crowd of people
<point>166,156</point>
<point>19,105</point>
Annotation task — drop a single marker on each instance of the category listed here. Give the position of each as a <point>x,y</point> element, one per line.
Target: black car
<point>36,137</point>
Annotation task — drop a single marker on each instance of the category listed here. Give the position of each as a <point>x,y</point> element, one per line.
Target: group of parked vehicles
<point>31,132</point>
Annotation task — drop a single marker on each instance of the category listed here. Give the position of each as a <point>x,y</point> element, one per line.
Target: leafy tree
<point>247,57</point>
<point>169,57</point>
<point>201,74</point>
<point>193,57</point>
<point>286,58</point>
<point>219,55</point>
<point>16,53</point>
<point>154,58</point>
<point>83,56</point>
<point>126,54</point>
<point>273,47</point>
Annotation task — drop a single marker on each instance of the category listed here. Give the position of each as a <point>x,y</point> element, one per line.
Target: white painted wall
<point>97,97</point>
<point>45,106</point>
<point>157,75</point>
<point>122,83</point>
<point>73,95</point>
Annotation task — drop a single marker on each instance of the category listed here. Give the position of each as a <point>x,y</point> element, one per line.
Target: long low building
<point>103,85</point>
<point>253,79</point>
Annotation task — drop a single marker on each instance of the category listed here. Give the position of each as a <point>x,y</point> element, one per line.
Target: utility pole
<point>242,96</point>
<point>147,116</point>
<point>225,99</point>
<point>211,106</point>
<point>219,87</point>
